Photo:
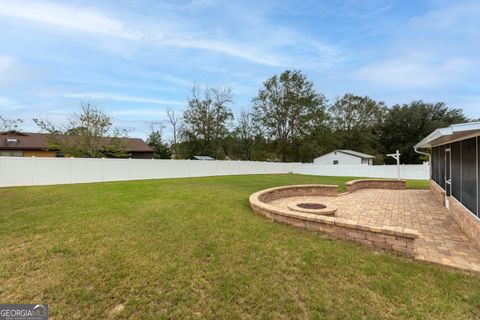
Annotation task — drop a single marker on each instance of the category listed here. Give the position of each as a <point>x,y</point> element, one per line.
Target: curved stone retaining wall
<point>297,191</point>
<point>397,240</point>
<point>375,184</point>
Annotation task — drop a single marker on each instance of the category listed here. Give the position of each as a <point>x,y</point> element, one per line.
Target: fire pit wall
<point>394,239</point>
<point>374,184</point>
<point>298,191</point>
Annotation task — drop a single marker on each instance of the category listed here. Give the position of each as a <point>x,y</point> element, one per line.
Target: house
<point>26,144</point>
<point>455,170</point>
<point>201,158</point>
<point>344,157</point>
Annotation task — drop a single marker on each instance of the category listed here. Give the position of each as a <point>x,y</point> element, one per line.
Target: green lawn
<point>192,248</point>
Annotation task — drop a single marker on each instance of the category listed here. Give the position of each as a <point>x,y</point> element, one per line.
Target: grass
<point>192,248</point>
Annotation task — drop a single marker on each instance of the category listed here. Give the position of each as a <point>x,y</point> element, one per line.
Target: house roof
<point>38,141</point>
<point>452,133</point>
<point>353,153</point>
<point>202,158</point>
<point>357,154</point>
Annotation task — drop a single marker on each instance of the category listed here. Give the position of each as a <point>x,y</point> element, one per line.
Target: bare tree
<point>174,121</point>
<point>245,133</point>
<point>10,124</point>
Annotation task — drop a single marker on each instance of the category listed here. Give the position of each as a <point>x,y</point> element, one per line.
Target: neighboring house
<point>348,157</point>
<point>26,144</point>
<point>201,158</point>
<point>455,173</point>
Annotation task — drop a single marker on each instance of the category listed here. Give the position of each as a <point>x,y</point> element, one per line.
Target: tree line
<point>288,121</point>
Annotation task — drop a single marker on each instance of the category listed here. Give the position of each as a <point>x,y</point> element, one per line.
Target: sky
<point>138,58</point>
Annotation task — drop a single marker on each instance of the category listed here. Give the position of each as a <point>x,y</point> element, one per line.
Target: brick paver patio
<point>440,239</point>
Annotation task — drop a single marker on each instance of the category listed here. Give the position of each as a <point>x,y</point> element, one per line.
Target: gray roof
<point>357,154</point>
<point>353,153</point>
<point>202,158</point>
<point>454,132</point>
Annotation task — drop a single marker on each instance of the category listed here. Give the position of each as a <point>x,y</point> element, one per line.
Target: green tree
<point>88,134</point>
<point>356,122</point>
<point>205,122</point>
<point>287,110</point>
<point>155,141</point>
<point>407,124</point>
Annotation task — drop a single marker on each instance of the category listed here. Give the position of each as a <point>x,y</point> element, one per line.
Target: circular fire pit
<point>312,207</point>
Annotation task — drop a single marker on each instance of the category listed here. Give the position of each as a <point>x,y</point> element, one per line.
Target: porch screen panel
<point>478,174</point>
<point>436,166</point>
<point>456,171</point>
<point>469,174</point>
<point>441,165</point>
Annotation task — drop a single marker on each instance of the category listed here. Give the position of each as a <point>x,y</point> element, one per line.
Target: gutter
<point>426,154</point>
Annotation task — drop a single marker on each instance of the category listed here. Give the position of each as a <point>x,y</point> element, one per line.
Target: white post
<point>396,156</point>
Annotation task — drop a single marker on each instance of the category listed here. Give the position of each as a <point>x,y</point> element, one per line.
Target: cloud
<point>411,72</point>
<point>124,98</point>
<point>64,16</point>
<point>6,102</point>
<point>432,51</point>
<point>94,22</point>
<point>265,46</point>
<point>11,72</point>
<point>461,16</point>
<point>365,9</point>
<point>241,51</point>
<point>6,63</point>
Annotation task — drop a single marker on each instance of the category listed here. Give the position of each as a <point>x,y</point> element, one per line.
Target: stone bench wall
<point>375,184</point>
<point>298,191</point>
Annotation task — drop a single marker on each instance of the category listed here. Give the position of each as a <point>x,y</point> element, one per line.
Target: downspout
<point>429,158</point>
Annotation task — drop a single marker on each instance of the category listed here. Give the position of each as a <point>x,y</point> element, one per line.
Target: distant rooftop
<point>353,153</point>
<point>16,140</point>
<point>202,158</point>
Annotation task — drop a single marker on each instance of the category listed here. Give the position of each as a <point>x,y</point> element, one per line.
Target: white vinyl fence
<point>407,171</point>
<point>18,171</point>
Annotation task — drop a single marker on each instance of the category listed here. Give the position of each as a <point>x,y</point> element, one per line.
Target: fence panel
<point>17,171</point>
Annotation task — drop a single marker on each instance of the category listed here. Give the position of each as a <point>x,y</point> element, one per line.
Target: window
<point>335,161</point>
<point>12,140</point>
<point>11,153</point>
